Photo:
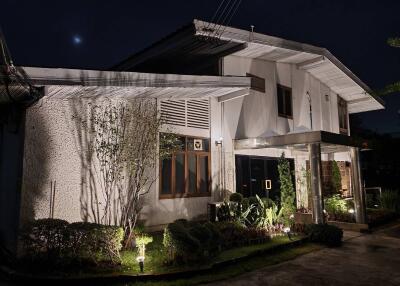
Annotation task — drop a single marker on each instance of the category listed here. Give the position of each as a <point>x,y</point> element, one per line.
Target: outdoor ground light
<point>351,211</point>
<point>287,231</point>
<point>140,260</point>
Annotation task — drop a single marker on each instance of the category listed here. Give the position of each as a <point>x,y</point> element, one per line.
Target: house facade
<point>236,100</point>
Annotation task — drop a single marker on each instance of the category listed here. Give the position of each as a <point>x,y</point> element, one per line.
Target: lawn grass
<point>238,268</point>
<point>155,256</point>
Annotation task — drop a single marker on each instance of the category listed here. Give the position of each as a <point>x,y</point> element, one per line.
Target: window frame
<point>186,152</point>
<point>256,83</point>
<point>343,112</point>
<point>285,89</point>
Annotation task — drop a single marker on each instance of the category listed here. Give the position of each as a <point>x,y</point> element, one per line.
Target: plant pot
<point>303,218</point>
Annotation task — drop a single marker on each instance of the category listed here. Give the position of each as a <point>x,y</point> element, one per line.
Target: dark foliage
<point>57,243</point>
<point>329,235</point>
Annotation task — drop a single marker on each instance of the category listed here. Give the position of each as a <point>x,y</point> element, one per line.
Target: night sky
<point>96,34</point>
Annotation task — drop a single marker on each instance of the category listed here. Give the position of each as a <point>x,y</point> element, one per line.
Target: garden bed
<point>155,269</point>
<point>377,217</point>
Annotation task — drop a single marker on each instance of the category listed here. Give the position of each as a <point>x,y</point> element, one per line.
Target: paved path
<point>364,259</point>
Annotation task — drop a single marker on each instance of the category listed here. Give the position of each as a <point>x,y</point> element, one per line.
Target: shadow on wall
<point>79,117</point>
<point>36,162</point>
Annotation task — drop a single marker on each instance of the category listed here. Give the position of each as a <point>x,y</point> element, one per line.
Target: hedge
<point>191,241</point>
<point>57,242</point>
<point>329,235</point>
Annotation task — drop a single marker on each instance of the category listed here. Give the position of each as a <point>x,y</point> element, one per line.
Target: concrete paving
<point>364,259</point>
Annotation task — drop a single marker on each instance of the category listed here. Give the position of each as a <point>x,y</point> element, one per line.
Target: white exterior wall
<point>259,111</point>
<point>256,115</point>
<point>55,148</point>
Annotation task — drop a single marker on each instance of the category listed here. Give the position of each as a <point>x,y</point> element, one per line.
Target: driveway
<point>364,259</point>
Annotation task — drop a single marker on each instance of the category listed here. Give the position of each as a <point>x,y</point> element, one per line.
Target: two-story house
<point>299,103</point>
<point>237,100</point>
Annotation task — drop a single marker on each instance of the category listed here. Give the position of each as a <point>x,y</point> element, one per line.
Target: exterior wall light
<point>219,141</point>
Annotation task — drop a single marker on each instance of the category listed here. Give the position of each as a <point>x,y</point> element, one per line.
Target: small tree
<point>336,178</point>
<point>127,146</point>
<point>288,195</point>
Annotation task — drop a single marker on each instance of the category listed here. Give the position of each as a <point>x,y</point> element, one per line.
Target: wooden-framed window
<point>256,83</point>
<point>187,172</point>
<point>285,105</point>
<point>342,110</point>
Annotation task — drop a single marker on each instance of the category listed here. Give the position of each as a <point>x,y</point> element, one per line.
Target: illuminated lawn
<point>155,256</point>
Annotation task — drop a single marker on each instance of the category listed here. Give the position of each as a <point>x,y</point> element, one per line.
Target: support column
<point>314,150</point>
<point>357,186</point>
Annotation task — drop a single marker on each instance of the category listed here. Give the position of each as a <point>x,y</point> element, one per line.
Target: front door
<point>258,176</point>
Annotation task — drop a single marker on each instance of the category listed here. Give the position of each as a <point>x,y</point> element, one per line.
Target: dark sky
<point>42,32</point>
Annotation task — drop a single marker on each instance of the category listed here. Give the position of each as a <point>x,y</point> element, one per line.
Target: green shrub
<point>288,194</point>
<point>180,244</point>
<point>216,237</point>
<point>336,178</point>
<point>182,221</point>
<point>335,205</point>
<point>390,200</point>
<point>56,242</point>
<point>203,235</point>
<point>45,239</point>
<point>329,235</point>
<point>232,233</point>
<point>236,197</point>
<point>95,241</point>
<point>245,203</point>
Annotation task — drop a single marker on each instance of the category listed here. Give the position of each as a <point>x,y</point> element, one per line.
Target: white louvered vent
<point>198,113</point>
<point>174,112</point>
<point>189,113</point>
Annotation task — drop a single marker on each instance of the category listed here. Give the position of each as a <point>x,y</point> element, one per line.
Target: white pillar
<point>314,150</point>
<point>357,186</point>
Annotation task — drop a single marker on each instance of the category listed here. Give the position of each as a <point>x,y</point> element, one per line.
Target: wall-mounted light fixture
<point>219,141</point>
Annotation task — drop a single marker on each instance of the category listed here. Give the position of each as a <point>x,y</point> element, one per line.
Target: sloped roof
<point>201,42</point>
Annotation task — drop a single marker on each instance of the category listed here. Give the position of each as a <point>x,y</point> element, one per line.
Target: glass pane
<point>203,165</point>
<point>166,168</point>
<point>180,173</point>
<point>198,144</point>
<point>280,100</point>
<point>288,103</point>
<point>192,173</point>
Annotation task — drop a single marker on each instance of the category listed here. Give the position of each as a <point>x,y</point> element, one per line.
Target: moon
<point>77,40</point>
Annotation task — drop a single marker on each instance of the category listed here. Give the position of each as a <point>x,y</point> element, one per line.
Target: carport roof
<point>68,83</point>
<point>330,142</point>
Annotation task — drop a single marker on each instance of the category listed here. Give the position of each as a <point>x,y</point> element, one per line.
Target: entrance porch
<point>308,150</point>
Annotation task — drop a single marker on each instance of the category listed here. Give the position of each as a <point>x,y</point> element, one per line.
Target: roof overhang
<point>317,61</point>
<point>71,83</point>
<point>330,142</point>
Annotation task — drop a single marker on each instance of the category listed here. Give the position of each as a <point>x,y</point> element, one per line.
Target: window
<point>256,83</point>
<point>186,172</point>
<point>285,101</point>
<point>342,109</point>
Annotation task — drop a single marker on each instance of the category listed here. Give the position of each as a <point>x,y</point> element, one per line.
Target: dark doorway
<point>258,176</point>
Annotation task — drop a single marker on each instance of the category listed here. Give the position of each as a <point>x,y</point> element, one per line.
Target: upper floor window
<point>256,83</point>
<point>186,172</point>
<point>342,110</point>
<point>285,108</point>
